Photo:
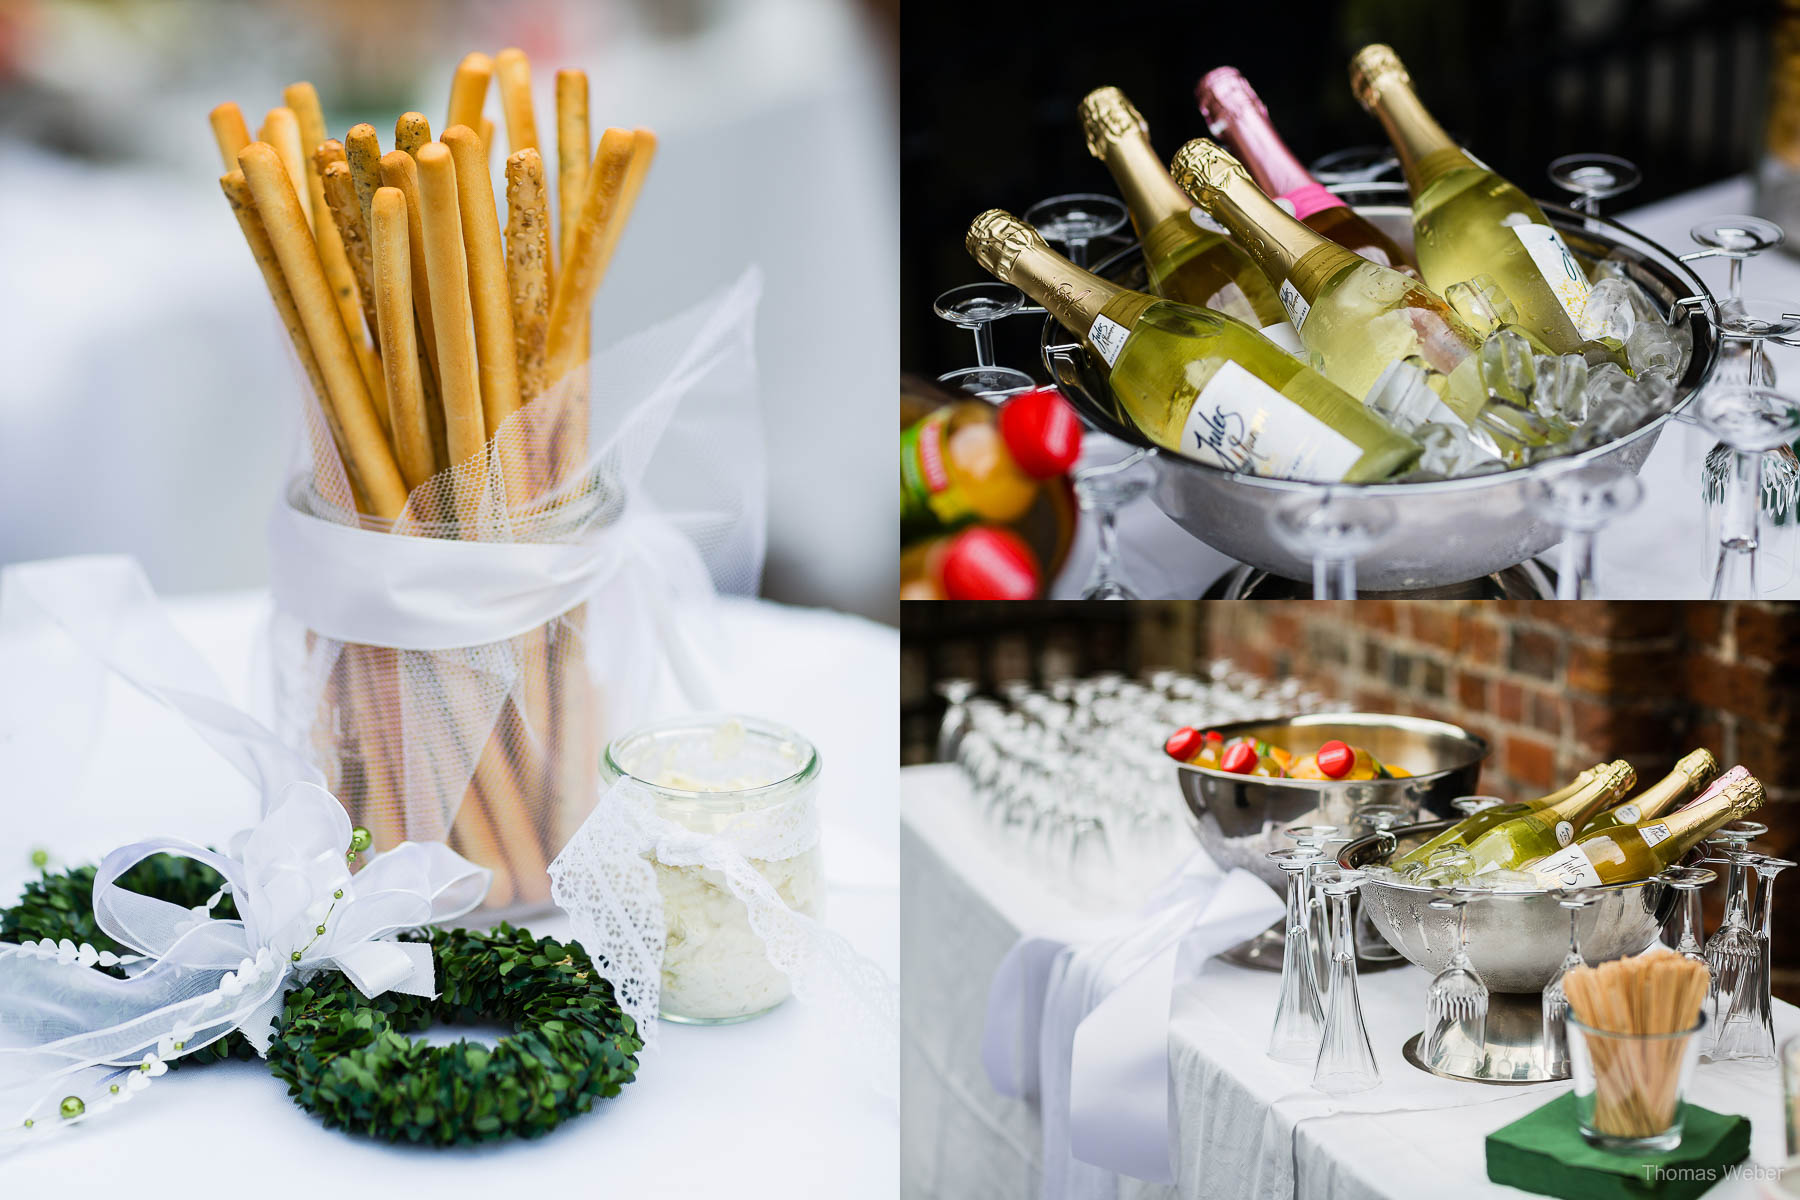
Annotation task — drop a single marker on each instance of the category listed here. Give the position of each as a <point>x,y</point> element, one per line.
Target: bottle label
<point>1568,867</point>
<point>1295,303</point>
<point>928,502</point>
<point>1310,198</point>
<point>1199,217</point>
<point>1629,814</point>
<point>1287,337</point>
<point>1654,833</point>
<point>1240,423</point>
<point>1565,833</point>
<point>1108,337</point>
<point>1557,266</point>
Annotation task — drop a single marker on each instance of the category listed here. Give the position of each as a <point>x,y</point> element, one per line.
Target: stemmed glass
<point>1593,178</point>
<point>1380,820</point>
<point>1468,806</point>
<point>1556,1001</point>
<point>1354,164</point>
<point>1075,220</point>
<point>1754,1039</point>
<point>1314,838</point>
<point>1736,238</point>
<point>1458,1000</point>
<point>1751,421</point>
<point>1101,492</point>
<point>956,693</point>
<point>1687,882</point>
<point>1333,530</point>
<point>1299,1020</point>
<point>1346,1060</point>
<point>1732,954</point>
<point>975,307</point>
<point>1583,500</point>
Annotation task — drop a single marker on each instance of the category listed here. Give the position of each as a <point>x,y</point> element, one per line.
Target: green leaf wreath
<point>350,1060</point>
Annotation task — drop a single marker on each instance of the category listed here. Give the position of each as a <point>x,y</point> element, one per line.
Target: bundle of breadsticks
<point>447,358</point>
<point>1642,1010</point>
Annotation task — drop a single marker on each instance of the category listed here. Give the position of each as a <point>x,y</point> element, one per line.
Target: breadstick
<point>487,139</point>
<point>347,219</point>
<point>528,266</point>
<point>238,193</point>
<point>398,170</point>
<point>473,834</point>
<point>512,72</point>
<point>229,131</point>
<point>367,459</point>
<point>618,173</point>
<point>459,382</point>
<point>363,150</point>
<point>496,788</point>
<point>281,129</point>
<point>411,131</point>
<point>572,151</point>
<point>468,90</point>
<point>352,304</point>
<point>489,303</point>
<point>399,349</point>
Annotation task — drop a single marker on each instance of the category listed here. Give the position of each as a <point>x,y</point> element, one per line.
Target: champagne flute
<point>1751,421</point>
<point>1076,220</point>
<point>1299,1018</point>
<point>1346,1061</point>
<point>1555,1000</point>
<point>1583,500</point>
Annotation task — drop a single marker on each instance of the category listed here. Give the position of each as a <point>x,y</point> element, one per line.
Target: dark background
<point>989,92</point>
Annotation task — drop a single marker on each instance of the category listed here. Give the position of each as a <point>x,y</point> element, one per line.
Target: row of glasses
<point>1319,1018</point>
<point>1739,1000</point>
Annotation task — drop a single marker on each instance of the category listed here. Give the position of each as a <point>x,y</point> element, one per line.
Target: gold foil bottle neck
<point>1619,775</point>
<point>1106,117</point>
<point>1202,166</point>
<point>996,238</point>
<point>1745,797</point>
<point>1698,765</point>
<point>1374,67</point>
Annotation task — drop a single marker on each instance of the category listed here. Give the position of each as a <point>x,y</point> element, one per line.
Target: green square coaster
<point>1544,1152</point>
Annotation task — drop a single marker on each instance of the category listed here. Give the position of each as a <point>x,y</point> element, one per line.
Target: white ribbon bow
<point>1084,1030</point>
<point>70,1032</point>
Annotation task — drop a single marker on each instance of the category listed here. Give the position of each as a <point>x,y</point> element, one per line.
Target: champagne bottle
<point>1513,843</point>
<point>1356,318</point>
<point>1197,381</point>
<point>1190,260</point>
<point>1236,114</point>
<point>1476,824</point>
<point>1625,853</point>
<point>1468,221</point>
<point>1693,772</point>
<point>970,462</point>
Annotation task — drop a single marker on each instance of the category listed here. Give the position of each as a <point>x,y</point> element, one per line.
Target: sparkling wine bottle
<point>1235,114</point>
<point>1189,259</point>
<point>1513,843</point>
<point>1692,773</point>
<point>1625,853</point>
<point>1476,824</point>
<point>1197,381</point>
<point>1468,221</point>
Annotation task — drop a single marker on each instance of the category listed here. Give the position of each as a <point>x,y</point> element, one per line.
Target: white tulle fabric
<point>525,598</point>
<point>606,881</point>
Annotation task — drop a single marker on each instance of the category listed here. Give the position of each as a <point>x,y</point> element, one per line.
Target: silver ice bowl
<point>1444,533</point>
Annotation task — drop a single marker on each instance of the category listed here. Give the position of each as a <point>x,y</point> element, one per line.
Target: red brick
<point>1530,760</point>
<point>1619,620</point>
<point>1509,701</point>
<point>1768,633</point>
<point>1479,638</point>
<point>1376,614</point>
<point>1532,652</point>
<point>1704,622</point>
<point>1546,712</point>
<point>1742,688</point>
<point>1472,691</point>
<point>1432,624</point>
<point>1604,669</point>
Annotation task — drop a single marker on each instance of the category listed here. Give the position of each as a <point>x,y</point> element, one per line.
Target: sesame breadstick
<point>363,151</point>
<point>339,194</point>
<point>411,131</point>
<point>528,266</point>
<point>303,98</point>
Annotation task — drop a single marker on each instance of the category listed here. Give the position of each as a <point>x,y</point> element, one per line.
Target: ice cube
<point>1451,450</point>
<point>1558,392</point>
<point>1611,312</point>
<point>1651,349</point>
<point>1404,397</point>
<point>1507,369</point>
<point>1481,304</point>
<point>1508,881</point>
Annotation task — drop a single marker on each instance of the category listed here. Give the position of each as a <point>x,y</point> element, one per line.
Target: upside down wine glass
<point>1333,530</point>
<point>1556,1001</point>
<point>1299,1020</point>
<point>1751,421</point>
<point>1346,1060</point>
<point>1456,1007</point>
<point>1077,220</point>
<point>975,307</point>
<point>1687,882</point>
<point>1593,178</point>
<point>1583,500</point>
<point>1101,492</point>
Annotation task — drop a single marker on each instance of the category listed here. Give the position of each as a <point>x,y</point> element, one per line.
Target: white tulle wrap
<point>605,879</point>
<point>68,1030</point>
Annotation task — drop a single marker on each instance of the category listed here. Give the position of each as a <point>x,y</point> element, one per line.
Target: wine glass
<point>1379,819</point>
<point>1687,882</point>
<point>1457,1003</point>
<point>1314,838</point>
<point>956,693</point>
<point>1346,1061</point>
<point>1583,500</point>
<point>1299,1019</point>
<point>1468,806</point>
<point>975,307</point>
<point>1555,1000</point>
<point>1075,220</point>
<point>1736,238</point>
<point>1101,492</point>
<point>1354,164</point>
<point>1755,1040</point>
<point>1732,953</point>
<point>1333,529</point>
<point>1751,421</point>
<point>1593,178</point>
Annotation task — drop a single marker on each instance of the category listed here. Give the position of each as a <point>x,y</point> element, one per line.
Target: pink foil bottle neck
<point>1235,113</point>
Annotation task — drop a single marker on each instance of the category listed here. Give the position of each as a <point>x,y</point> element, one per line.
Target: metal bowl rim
<point>1414,724</point>
<point>1431,827</point>
<point>1168,459</point>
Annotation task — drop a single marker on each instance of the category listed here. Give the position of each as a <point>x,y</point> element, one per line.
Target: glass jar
<point>753,784</point>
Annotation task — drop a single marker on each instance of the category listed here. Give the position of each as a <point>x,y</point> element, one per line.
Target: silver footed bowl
<point>1240,818</point>
<point>1445,532</point>
<point>1517,940</point>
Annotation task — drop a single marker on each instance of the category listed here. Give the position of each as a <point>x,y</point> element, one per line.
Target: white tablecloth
<point>1248,1124</point>
<point>770,1108</point>
<point>1655,553</point>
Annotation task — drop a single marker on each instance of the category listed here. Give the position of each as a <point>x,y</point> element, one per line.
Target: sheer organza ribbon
<point>605,881</point>
<point>75,1041</point>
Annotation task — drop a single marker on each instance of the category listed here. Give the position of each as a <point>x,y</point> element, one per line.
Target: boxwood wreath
<point>350,1060</point>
